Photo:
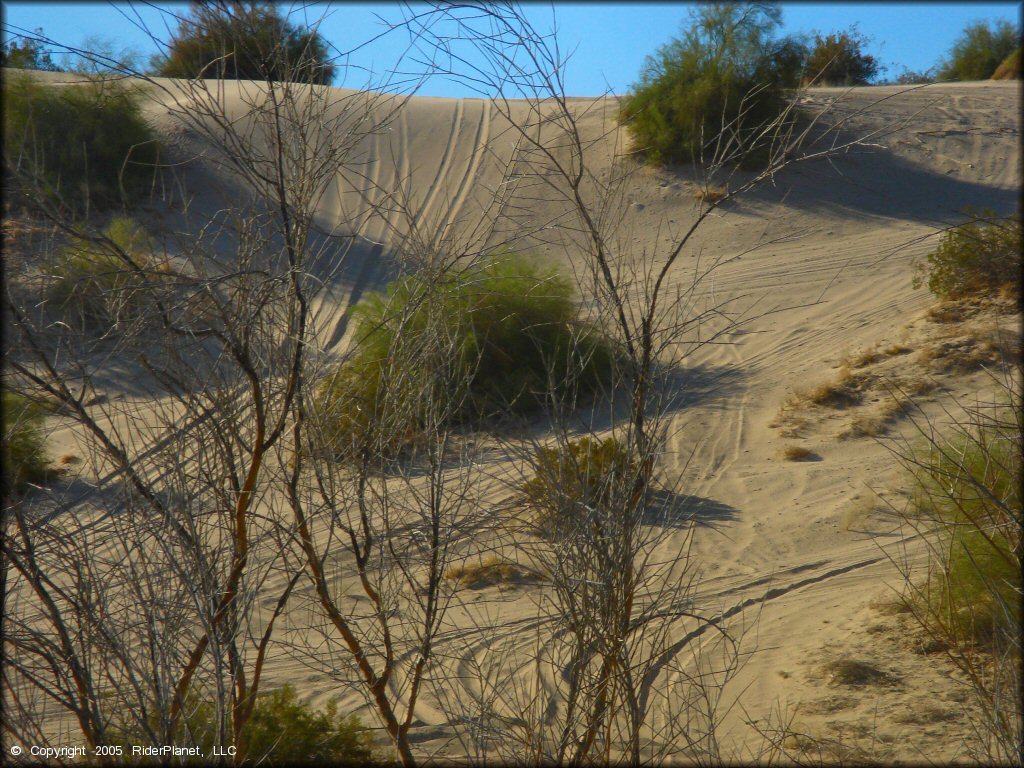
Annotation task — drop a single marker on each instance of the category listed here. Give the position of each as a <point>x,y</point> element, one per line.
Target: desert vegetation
<point>512,338</point>
<point>250,41</point>
<point>978,257</point>
<point>838,58</point>
<point>725,70</point>
<point>966,502</point>
<point>86,144</point>
<point>979,50</point>
<point>24,453</point>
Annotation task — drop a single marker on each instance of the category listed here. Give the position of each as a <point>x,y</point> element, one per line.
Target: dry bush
<point>489,572</point>
<point>843,391</point>
<point>798,453</point>
<point>990,346</point>
<point>856,672</point>
<point>711,194</point>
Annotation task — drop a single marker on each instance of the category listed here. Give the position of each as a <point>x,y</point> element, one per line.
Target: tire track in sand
<point>483,134</point>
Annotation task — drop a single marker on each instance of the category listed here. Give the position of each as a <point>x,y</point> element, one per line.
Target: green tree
<point>228,39</point>
<point>980,48</point>
<point>27,53</point>
<point>720,72</point>
<point>839,59</point>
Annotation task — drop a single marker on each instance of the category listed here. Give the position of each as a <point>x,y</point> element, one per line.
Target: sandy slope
<point>773,532</point>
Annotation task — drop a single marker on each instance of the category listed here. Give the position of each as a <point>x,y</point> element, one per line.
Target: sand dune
<point>821,264</point>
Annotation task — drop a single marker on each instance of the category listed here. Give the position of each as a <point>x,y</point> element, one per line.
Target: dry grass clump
<point>873,354</point>
<point>923,714</point>
<point>709,194</point>
<point>988,346</point>
<point>489,572</point>
<point>798,453</point>
<point>854,672</point>
<point>952,311</point>
<point>845,390</point>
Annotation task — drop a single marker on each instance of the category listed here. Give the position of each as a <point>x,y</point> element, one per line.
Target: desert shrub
<point>979,50</point>
<point>27,53</point>
<point>92,285</point>
<point>489,572</point>
<point>281,731</point>
<point>573,480</point>
<point>915,77</point>
<point>497,338</point>
<point>721,71</point>
<point>248,41</point>
<point>839,59</point>
<point>1009,68</point>
<point>969,486</point>
<point>24,457</point>
<point>980,256</point>
<point>87,144</point>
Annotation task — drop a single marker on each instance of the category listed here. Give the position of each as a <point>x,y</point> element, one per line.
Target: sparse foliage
<point>99,282</point>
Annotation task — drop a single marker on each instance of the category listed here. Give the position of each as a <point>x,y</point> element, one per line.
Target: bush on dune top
<point>85,144</point>
<point>979,50</point>
<point>495,339</point>
<point>724,72</point>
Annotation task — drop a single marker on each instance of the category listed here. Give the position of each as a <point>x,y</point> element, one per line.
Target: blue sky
<point>610,40</point>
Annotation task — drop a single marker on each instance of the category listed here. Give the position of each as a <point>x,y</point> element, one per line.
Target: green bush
<point>29,53</point>
<point>492,340</point>
<point>80,143</point>
<point>24,458</point>
<point>93,287</point>
<point>970,487</point>
<point>570,480</point>
<point>839,59</point>
<point>979,50</point>
<point>978,257</point>
<point>248,41</point>
<point>724,70</point>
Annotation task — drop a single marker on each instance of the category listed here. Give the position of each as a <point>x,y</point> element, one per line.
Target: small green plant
<point>24,457</point>
<point>979,50</point>
<point>93,286</point>
<point>85,144</point>
<point>978,257</point>
<point>494,339</point>
<point>572,480</point>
